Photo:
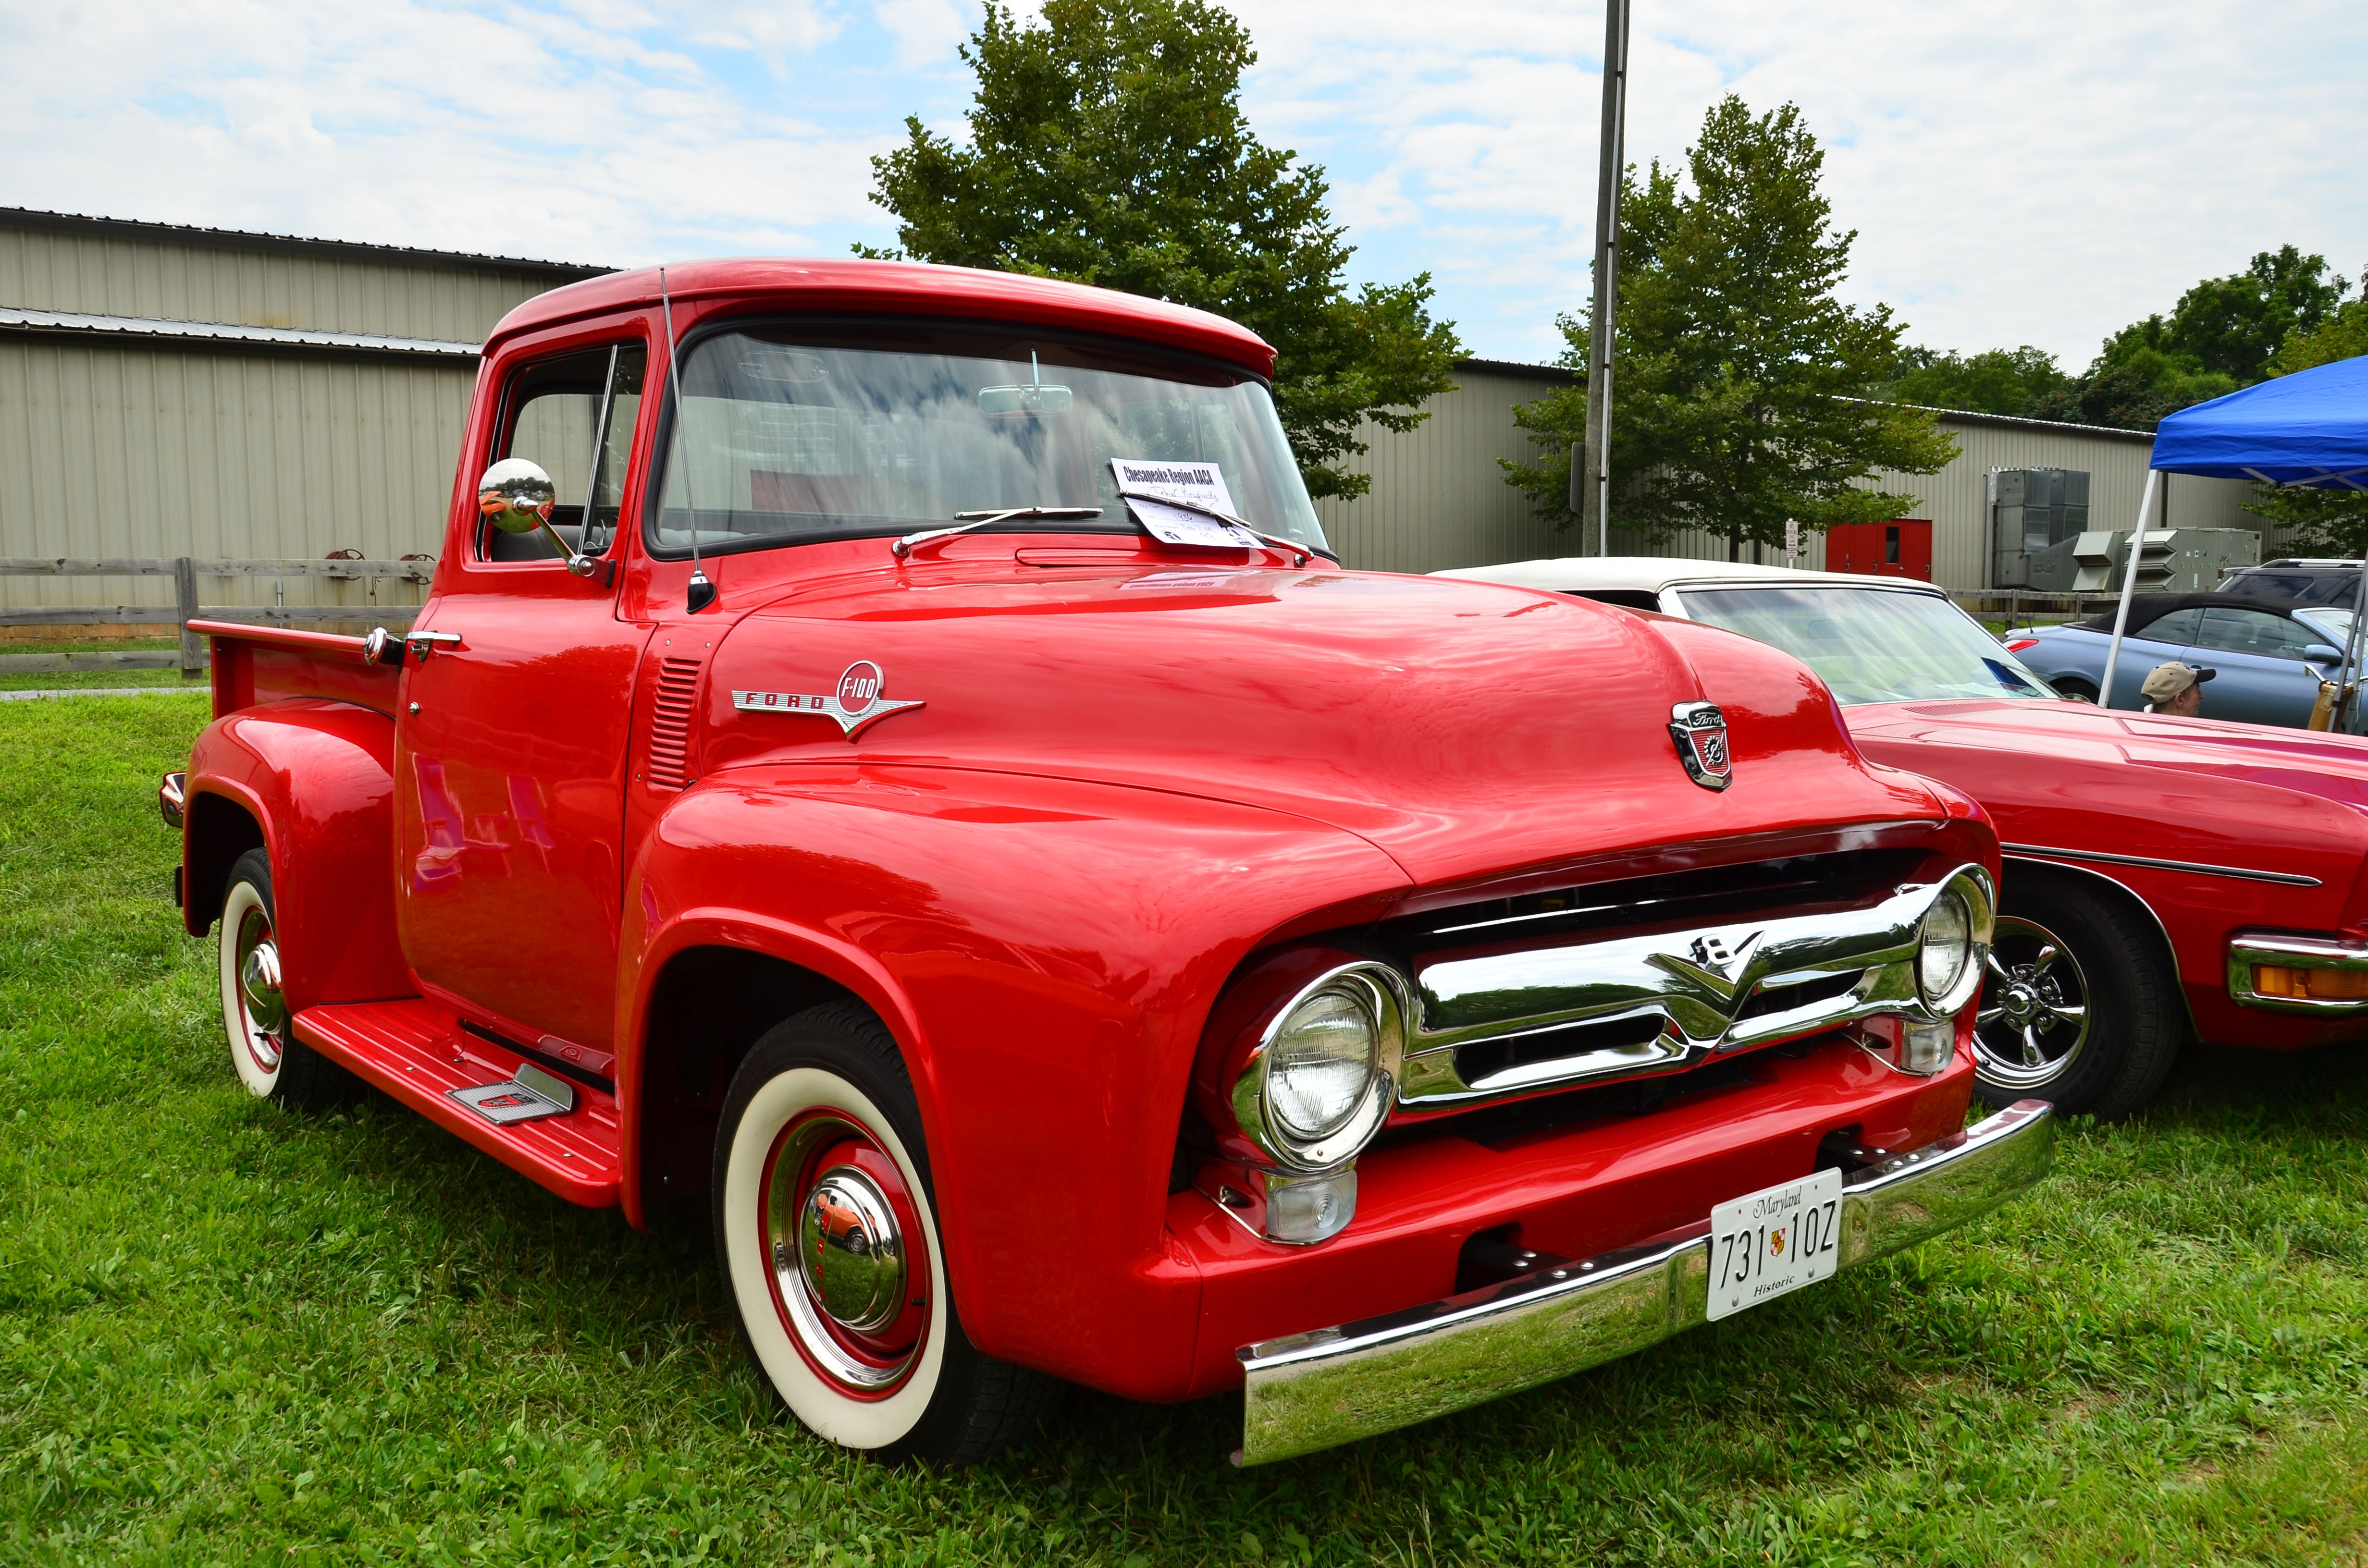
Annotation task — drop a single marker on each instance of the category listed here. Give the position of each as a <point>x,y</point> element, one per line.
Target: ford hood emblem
<point>1700,730</point>
<point>856,702</point>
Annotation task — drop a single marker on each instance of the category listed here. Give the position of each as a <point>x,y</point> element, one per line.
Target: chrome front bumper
<point>1335,1385</point>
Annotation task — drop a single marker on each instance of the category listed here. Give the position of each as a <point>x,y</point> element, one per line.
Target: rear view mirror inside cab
<point>1024,400</point>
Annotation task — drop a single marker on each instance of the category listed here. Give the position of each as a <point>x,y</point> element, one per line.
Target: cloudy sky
<point>2027,173</point>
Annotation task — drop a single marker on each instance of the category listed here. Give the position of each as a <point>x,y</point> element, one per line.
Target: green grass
<point>233,1334</point>
<point>32,680</point>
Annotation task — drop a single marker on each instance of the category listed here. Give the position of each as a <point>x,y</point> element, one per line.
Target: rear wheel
<point>2081,1005</point>
<point>826,1229</point>
<point>271,1061</point>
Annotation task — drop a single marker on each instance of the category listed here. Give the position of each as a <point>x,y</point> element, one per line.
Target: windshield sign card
<point>1775,1240</point>
<point>1147,482</point>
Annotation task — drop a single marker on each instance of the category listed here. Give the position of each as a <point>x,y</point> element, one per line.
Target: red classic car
<point>904,772</point>
<point>2165,877</point>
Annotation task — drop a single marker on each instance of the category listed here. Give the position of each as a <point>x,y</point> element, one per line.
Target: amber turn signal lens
<point>2311,984</point>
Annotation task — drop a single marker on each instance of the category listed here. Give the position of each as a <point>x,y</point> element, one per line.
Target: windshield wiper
<point>966,521</point>
<point>1299,552</point>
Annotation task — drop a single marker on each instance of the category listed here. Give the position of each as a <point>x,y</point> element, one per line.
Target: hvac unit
<point>2032,509</point>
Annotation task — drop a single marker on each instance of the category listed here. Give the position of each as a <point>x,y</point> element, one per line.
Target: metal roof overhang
<point>71,324</point>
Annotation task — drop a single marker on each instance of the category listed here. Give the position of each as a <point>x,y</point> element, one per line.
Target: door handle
<point>383,647</point>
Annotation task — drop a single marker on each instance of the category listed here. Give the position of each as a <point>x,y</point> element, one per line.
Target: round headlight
<point>1315,1082</point>
<point>1945,946</point>
<point>1322,1061</point>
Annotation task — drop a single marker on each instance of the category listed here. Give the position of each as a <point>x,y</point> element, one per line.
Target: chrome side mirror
<point>517,496</point>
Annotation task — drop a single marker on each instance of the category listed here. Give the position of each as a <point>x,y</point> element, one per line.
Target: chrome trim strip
<point>2199,867</point>
<point>1696,983</point>
<point>1313,1391</point>
<point>2247,949</point>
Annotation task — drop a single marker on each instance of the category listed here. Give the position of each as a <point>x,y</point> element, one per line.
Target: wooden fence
<point>185,571</point>
<point>2023,606</point>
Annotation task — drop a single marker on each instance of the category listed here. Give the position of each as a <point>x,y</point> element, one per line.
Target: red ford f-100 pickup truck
<point>888,756</point>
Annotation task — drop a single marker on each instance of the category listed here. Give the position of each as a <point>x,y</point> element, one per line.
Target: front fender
<point>1045,952</point>
<point>318,778</point>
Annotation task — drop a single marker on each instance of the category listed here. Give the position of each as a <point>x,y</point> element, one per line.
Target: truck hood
<point>1466,729</point>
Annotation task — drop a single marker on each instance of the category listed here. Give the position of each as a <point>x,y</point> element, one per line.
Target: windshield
<point>2335,623</point>
<point>2325,585</point>
<point>1872,644</point>
<point>802,432</point>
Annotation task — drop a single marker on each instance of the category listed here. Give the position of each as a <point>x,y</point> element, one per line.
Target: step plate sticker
<point>502,1104</point>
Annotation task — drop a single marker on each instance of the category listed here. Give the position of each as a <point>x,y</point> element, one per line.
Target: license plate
<point>1774,1240</point>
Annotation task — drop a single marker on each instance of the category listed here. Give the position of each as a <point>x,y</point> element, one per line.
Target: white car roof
<point>1651,573</point>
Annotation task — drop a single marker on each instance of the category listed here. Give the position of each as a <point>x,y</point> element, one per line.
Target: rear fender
<point>1045,952</point>
<point>314,782</point>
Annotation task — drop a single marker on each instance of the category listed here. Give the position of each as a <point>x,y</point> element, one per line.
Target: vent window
<point>670,716</point>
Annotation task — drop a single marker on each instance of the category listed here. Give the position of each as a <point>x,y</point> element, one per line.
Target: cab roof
<point>897,287</point>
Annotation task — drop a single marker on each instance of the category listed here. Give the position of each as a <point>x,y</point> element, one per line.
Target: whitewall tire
<point>264,1051</point>
<point>828,1238</point>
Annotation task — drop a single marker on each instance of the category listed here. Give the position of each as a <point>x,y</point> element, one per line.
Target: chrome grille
<point>1497,1024</point>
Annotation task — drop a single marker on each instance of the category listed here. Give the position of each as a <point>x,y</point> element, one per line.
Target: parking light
<point>2310,984</point>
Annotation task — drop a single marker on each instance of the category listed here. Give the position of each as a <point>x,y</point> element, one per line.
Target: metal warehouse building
<point>1439,496</point>
<point>171,392</point>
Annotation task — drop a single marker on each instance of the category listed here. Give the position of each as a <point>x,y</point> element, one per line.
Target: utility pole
<point>1590,471</point>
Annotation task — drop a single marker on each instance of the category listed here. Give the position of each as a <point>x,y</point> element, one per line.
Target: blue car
<point>2270,657</point>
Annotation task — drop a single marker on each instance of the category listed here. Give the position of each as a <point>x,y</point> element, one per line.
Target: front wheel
<point>827,1235</point>
<point>270,1060</point>
<point>2079,1007</point>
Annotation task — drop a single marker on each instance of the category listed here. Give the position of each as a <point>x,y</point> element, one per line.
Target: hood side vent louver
<point>672,707</point>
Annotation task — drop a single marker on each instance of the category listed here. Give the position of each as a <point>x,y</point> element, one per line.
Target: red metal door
<point>1902,547</point>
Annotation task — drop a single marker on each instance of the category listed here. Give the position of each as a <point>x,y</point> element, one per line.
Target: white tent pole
<point>2352,649</point>
<point>2129,587</point>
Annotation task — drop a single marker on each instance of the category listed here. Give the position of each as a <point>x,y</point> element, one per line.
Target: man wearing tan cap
<point>2176,690</point>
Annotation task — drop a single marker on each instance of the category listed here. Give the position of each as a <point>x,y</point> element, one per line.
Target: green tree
<point>1107,146</point>
<point>2323,522</point>
<point>2223,334</point>
<point>1739,380</point>
<point>2233,326</point>
<point>1997,380</point>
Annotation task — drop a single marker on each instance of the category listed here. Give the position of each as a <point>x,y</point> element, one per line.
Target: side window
<point>573,415</point>
<point>2178,627</point>
<point>2254,632</point>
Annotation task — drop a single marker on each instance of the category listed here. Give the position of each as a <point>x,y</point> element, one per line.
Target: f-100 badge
<point>1700,730</point>
<point>855,704</point>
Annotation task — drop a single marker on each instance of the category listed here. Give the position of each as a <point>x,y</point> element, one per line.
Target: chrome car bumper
<point>1335,1385</point>
<point>2297,955</point>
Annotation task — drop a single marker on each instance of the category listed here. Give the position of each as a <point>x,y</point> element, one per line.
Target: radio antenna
<point>703,592</point>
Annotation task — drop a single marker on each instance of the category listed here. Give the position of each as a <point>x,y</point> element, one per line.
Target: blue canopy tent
<point>2309,430</point>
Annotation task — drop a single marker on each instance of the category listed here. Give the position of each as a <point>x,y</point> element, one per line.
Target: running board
<point>416,1052</point>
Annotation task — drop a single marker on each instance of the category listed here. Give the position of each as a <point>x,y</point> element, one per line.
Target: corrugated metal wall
<point>113,273</point>
<point>1439,499</point>
<point>113,445</point>
<point>110,450</point>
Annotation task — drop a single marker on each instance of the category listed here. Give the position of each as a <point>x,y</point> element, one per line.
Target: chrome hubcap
<point>851,1251</point>
<point>265,1009</point>
<point>2033,1023</point>
<point>849,1271</point>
